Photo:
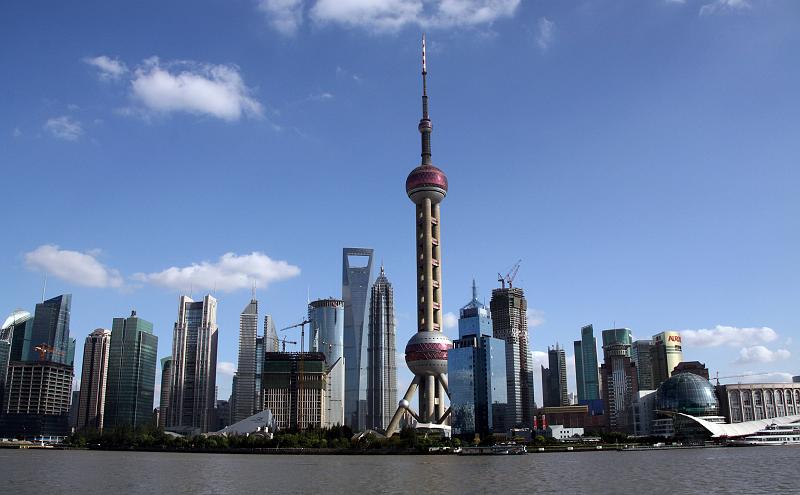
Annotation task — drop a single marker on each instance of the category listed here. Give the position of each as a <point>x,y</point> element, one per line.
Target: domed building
<point>687,393</point>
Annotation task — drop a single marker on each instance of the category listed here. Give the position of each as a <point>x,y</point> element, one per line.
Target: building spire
<point>425,126</point>
<point>474,290</point>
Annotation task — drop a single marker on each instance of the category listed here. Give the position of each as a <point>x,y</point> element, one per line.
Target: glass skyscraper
<point>587,373</point>
<point>245,390</point>
<point>554,378</point>
<point>51,331</point>
<point>381,350</point>
<point>477,378</point>
<point>94,379</point>
<point>356,282</point>
<point>326,318</point>
<point>131,377</point>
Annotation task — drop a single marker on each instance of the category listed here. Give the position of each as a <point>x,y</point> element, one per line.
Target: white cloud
<point>230,272</point>
<point>727,335</point>
<point>450,321</point>
<point>545,32</point>
<point>760,354</point>
<point>724,6</point>
<point>109,68</point>
<point>64,128</point>
<point>226,369</point>
<point>535,317</point>
<point>205,89</point>
<point>16,132</point>
<point>73,266</point>
<point>285,16</point>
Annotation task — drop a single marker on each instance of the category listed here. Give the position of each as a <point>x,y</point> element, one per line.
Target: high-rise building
<point>326,317</point>
<point>381,350</point>
<point>37,401</point>
<point>426,351</point>
<point>50,331</point>
<point>620,383</point>
<point>641,355</point>
<point>94,373</point>
<point>194,369</point>
<point>271,342</point>
<point>16,319</point>
<point>294,387</point>
<point>587,373</point>
<point>132,362</point>
<point>554,378</point>
<point>17,330</point>
<point>245,390</point>
<point>666,354</point>
<point>166,389</point>
<point>476,370</point>
<point>356,278</point>
<point>509,319</point>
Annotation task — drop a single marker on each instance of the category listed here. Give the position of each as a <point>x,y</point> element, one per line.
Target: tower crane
<point>718,378</point>
<point>284,342</point>
<point>509,277</point>
<point>302,326</point>
<point>44,349</point>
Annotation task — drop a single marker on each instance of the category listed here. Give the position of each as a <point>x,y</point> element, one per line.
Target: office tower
<point>132,361</point>
<point>271,342</point>
<point>666,354</point>
<point>50,331</point>
<point>94,373</point>
<point>17,330</point>
<point>245,390</point>
<point>294,387</point>
<point>508,308</point>
<point>695,367</point>
<point>554,378</point>
<point>166,390</point>
<point>222,415</point>
<point>382,368</point>
<point>426,351</point>
<point>17,319</point>
<point>641,355</point>
<point>586,369</point>
<point>326,319</point>
<point>476,370</point>
<point>73,409</point>
<point>37,401</point>
<point>194,369</point>
<point>356,278</point>
<point>620,382</point>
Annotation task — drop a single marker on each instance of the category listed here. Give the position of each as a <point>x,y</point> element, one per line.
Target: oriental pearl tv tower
<point>426,351</point>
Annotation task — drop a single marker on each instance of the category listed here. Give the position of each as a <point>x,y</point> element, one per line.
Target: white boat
<point>773,435</point>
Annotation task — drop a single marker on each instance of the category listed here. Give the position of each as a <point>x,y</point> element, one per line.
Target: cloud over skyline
<point>108,68</point>
<point>761,354</point>
<point>80,268</point>
<point>64,127</point>
<point>728,335</point>
<point>230,272</point>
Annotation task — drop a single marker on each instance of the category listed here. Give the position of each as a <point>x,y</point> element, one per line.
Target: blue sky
<point>640,156</point>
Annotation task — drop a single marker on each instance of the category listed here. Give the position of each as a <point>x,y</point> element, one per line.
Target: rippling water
<point>730,470</point>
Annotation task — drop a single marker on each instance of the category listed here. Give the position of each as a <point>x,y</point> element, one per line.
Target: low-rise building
<point>562,433</point>
<point>744,402</point>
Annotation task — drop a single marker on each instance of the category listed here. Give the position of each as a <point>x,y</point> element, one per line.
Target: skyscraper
<point>666,354</point>
<point>166,389</point>
<point>426,352</point>
<point>642,357</point>
<point>586,370</point>
<point>326,317</point>
<point>92,396</point>
<point>50,330</point>
<point>132,361</point>
<point>356,278</point>
<point>37,401</point>
<point>620,382</point>
<point>271,342</point>
<point>509,307</point>
<point>17,330</point>
<point>554,378</point>
<point>476,369</point>
<point>294,389</point>
<point>245,390</point>
<point>382,372</point>
<point>194,351</point>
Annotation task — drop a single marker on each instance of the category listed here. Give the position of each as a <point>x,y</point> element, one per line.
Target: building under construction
<point>293,388</point>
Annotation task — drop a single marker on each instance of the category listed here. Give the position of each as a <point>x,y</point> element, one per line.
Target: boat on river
<point>499,449</point>
<point>773,434</point>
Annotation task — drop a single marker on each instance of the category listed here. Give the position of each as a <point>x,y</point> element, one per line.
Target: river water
<point>729,470</point>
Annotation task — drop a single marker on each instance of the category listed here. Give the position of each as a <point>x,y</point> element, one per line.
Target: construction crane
<point>284,342</point>
<point>718,378</point>
<point>44,350</point>
<point>509,277</point>
<point>302,326</point>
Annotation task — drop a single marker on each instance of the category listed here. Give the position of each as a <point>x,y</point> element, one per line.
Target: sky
<point>639,156</point>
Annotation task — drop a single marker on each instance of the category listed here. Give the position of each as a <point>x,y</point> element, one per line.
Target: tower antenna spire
<point>425,126</point>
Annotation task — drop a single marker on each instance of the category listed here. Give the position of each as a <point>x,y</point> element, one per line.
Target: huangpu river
<point>727,470</point>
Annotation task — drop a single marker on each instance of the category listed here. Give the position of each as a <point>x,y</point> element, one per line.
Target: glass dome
<point>689,394</point>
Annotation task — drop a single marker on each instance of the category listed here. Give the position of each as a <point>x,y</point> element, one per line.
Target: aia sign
<point>674,338</point>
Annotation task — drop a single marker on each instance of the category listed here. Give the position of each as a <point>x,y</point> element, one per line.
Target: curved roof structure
<point>687,393</point>
<point>15,318</point>
<point>723,430</point>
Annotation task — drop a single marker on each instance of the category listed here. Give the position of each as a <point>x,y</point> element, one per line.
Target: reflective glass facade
<point>131,373</point>
<point>689,394</point>
<point>356,281</point>
<point>51,328</point>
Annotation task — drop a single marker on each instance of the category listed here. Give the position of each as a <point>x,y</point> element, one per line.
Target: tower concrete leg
<point>412,388</point>
<point>430,399</point>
